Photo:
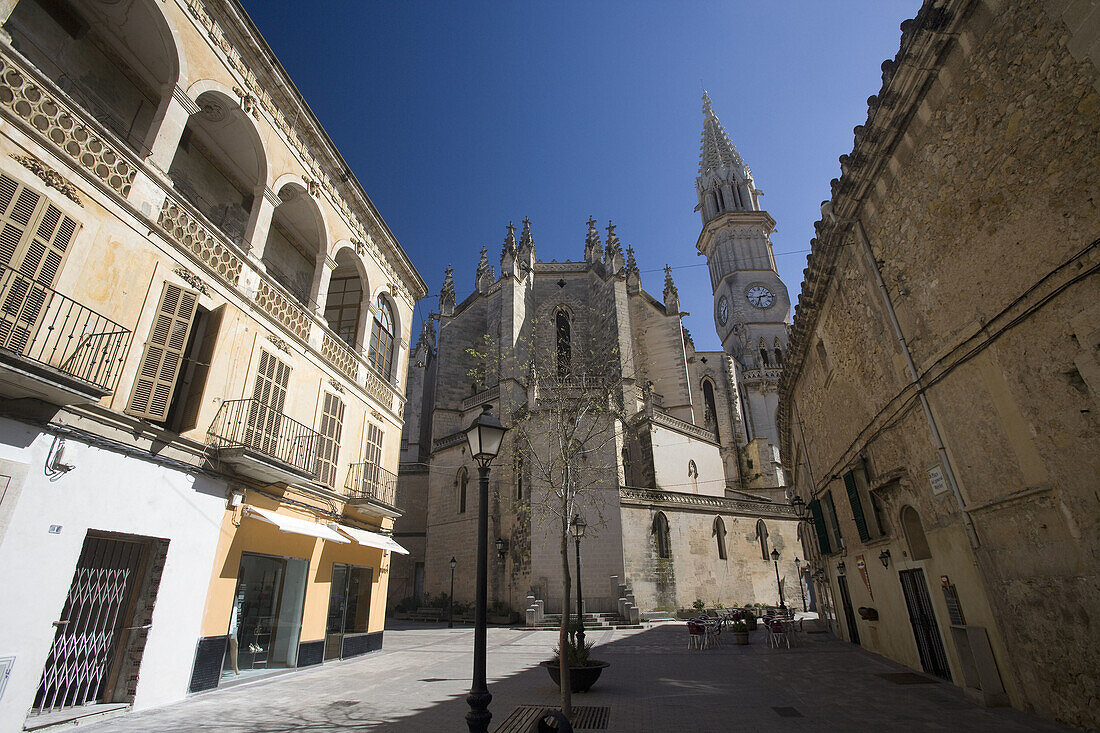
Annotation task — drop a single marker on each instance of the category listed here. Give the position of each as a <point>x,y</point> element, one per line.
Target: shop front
<point>291,588</point>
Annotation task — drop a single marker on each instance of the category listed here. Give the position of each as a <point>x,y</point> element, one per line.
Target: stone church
<point>689,498</point>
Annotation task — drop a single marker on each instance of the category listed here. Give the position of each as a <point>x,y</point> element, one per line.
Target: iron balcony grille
<point>371,482</point>
<point>41,325</point>
<point>252,425</point>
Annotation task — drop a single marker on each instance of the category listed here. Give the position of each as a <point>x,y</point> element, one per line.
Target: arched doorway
<point>345,304</point>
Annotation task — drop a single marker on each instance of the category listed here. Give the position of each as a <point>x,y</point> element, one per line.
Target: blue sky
<point>459,116</point>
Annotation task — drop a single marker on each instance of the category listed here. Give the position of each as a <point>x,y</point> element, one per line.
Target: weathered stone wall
<point>984,223</point>
<point>695,571</point>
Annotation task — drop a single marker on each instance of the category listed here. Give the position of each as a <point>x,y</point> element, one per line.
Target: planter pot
<point>741,637</point>
<point>580,678</point>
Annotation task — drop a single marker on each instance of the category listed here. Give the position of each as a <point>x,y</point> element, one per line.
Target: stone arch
<point>710,406</point>
<point>120,60</point>
<point>347,300</point>
<point>462,483</point>
<point>719,532</point>
<point>220,164</point>
<point>382,351</point>
<point>297,241</point>
<point>915,538</point>
<point>762,538</point>
<point>662,536</point>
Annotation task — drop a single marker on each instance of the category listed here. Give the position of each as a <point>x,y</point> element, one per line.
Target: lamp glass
<point>485,435</point>
<point>453,563</point>
<point>578,525</point>
<point>775,555</point>
<point>500,545</point>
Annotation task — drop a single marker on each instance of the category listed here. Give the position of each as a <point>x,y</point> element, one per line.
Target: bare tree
<point>567,431</point>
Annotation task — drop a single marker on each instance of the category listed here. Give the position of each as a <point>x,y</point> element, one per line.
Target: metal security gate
<point>932,657</point>
<point>87,635</point>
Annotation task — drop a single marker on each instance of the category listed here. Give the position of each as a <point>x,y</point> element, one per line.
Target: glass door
<point>348,606</point>
<point>266,617</point>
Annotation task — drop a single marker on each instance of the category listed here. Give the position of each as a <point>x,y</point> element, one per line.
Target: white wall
<point>671,453</point>
<point>111,492</point>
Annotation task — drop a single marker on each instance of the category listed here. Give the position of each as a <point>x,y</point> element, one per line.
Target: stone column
<point>259,222</point>
<point>167,128</point>
<point>322,276</point>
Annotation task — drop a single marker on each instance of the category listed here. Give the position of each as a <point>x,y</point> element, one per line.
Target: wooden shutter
<point>372,457</point>
<point>160,364</point>
<point>857,505</point>
<point>266,411</point>
<point>819,527</point>
<point>332,425</point>
<point>34,241</point>
<point>200,369</point>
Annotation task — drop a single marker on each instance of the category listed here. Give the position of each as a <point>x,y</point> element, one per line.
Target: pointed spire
<point>509,247</point>
<point>485,275</point>
<point>593,247</point>
<point>525,239</point>
<point>427,333</point>
<point>672,295</point>
<point>613,255</point>
<point>631,263</point>
<point>483,264</point>
<point>447,293</point>
<point>715,150</point>
<point>633,274</point>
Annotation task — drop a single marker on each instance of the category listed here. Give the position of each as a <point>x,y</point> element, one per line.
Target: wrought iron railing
<point>255,426</point>
<point>42,325</point>
<point>370,482</point>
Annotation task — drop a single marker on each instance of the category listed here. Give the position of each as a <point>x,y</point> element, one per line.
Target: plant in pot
<point>741,633</point>
<point>583,670</point>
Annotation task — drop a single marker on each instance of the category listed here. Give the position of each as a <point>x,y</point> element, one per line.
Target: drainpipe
<point>914,376</point>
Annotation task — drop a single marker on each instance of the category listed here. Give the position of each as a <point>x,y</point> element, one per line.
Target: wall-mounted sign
<point>937,479</point>
<point>863,574</point>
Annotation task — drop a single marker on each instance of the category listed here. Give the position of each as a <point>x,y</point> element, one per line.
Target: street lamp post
<point>578,526</point>
<point>798,571</point>
<point>778,584</point>
<point>451,598</point>
<point>484,437</point>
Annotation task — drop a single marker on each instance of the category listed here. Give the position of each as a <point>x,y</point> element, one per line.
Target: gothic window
<point>660,529</point>
<point>914,534</point>
<point>778,354</point>
<point>519,476</point>
<point>764,363</point>
<point>720,537</point>
<point>462,482</point>
<point>381,339</point>
<point>693,474</point>
<point>762,537</point>
<point>564,342</point>
<point>710,416</point>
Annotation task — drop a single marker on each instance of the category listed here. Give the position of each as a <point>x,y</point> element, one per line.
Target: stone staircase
<point>628,615</point>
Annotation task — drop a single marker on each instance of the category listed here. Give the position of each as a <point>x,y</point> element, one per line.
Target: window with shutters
<point>372,458</point>
<point>328,452</point>
<point>865,507</point>
<point>828,509</point>
<point>163,355</point>
<point>35,237</point>
<point>183,414</point>
<point>265,411</point>
<point>818,515</point>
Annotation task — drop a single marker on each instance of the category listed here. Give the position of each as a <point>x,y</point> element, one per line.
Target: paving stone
<point>419,680</point>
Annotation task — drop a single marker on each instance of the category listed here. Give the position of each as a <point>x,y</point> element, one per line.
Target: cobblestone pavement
<point>419,680</point>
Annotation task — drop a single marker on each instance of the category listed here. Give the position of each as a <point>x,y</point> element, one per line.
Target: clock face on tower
<point>760,297</point>
<point>723,311</point>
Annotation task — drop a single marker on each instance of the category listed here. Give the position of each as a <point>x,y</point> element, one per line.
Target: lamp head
<point>484,436</point>
<point>884,557</point>
<point>578,525</point>
<point>775,555</point>
<point>453,563</point>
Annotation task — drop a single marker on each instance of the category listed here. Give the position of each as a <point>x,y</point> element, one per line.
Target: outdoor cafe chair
<point>697,635</point>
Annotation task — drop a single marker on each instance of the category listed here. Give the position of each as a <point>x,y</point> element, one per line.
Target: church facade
<point>685,496</point>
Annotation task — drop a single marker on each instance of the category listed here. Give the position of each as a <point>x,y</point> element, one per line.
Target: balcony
<point>53,348</point>
<point>372,489</point>
<point>263,443</point>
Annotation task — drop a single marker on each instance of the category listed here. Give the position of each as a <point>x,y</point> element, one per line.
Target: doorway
<point>266,618</point>
<point>96,634</point>
<point>849,614</point>
<point>348,609</point>
<point>926,632</point>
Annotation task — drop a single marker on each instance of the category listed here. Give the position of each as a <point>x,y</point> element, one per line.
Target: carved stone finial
<point>447,293</point>
<point>672,296</point>
<point>593,247</point>
<point>525,239</point>
<point>509,248</point>
<point>613,256</point>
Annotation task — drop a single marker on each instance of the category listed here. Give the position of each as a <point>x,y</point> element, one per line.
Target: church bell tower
<point>751,306</point>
